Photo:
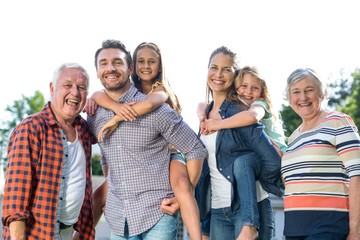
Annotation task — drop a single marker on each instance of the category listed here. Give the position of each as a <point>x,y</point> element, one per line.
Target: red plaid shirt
<point>34,174</point>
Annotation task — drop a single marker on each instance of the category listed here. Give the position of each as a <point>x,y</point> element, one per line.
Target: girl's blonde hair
<point>265,95</point>
<point>161,77</point>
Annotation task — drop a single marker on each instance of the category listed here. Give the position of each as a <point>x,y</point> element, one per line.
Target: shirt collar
<point>49,116</point>
<point>129,95</point>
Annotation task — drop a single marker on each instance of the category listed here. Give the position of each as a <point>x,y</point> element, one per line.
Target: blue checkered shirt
<point>137,155</point>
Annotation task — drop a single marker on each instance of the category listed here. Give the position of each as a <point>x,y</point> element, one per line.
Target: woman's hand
<point>203,129</point>
<point>212,125</point>
<point>209,126</point>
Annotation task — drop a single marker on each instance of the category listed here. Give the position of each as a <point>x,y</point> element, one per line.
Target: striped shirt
<point>316,169</point>
<point>35,177</point>
<point>138,157</point>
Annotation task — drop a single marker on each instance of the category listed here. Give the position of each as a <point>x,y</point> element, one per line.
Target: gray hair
<point>300,74</point>
<point>63,66</point>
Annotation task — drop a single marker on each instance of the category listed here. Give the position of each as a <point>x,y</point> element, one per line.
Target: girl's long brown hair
<point>161,77</point>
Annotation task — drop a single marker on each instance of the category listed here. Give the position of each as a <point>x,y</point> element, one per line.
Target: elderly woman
<point>321,167</point>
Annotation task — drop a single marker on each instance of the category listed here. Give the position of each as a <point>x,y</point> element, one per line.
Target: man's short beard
<point>119,86</point>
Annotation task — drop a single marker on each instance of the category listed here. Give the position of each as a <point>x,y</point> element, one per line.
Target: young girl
<point>149,78</point>
<point>253,92</point>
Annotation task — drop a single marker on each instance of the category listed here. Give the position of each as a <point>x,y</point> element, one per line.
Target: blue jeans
<point>205,225</point>
<point>259,214</point>
<point>227,224</point>
<point>164,229</point>
<point>246,170</point>
<point>267,222</point>
<point>321,236</point>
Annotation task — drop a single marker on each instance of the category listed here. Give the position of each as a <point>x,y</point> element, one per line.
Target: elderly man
<point>48,178</point>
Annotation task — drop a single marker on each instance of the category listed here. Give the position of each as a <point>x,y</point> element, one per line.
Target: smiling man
<point>136,156</point>
<point>48,179</point>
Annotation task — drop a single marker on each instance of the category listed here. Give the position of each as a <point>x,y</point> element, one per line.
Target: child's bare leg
<point>204,237</point>
<point>183,191</point>
<point>98,201</point>
<point>248,233</point>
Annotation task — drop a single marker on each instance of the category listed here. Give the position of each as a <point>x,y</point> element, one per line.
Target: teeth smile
<point>217,82</point>
<point>111,77</point>
<point>72,102</point>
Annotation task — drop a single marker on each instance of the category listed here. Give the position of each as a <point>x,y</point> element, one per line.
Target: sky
<point>275,36</point>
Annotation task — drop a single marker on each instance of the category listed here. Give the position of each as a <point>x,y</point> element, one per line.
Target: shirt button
<point>228,177</point>
<point>220,169</point>
<point>61,198</point>
<point>63,177</point>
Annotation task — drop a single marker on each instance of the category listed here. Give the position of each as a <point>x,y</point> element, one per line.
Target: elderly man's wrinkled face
<point>69,94</point>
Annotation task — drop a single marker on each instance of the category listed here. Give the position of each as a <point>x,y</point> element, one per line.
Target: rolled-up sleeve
<point>22,148</point>
<point>178,133</point>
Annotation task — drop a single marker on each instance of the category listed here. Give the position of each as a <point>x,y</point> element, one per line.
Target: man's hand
<point>17,230</point>
<point>76,235</point>
<point>169,206</point>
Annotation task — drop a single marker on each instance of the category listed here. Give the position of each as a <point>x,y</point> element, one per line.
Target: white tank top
<point>220,186</point>
<point>75,189</point>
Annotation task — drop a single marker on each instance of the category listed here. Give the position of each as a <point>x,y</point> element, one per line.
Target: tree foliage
<point>351,104</point>
<point>290,119</point>
<point>18,111</point>
<point>96,166</point>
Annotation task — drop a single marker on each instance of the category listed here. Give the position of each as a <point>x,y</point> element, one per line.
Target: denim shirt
<point>230,144</point>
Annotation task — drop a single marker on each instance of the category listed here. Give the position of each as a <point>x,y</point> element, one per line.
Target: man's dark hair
<point>111,43</point>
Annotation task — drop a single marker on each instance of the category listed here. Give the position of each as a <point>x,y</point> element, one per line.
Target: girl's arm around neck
<point>124,110</point>
<point>154,100</point>
<point>245,118</point>
<point>128,111</point>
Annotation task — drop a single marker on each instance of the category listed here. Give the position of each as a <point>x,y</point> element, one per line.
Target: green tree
<point>290,119</point>
<point>18,111</point>
<point>351,104</point>
<point>339,90</point>
<point>96,166</point>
